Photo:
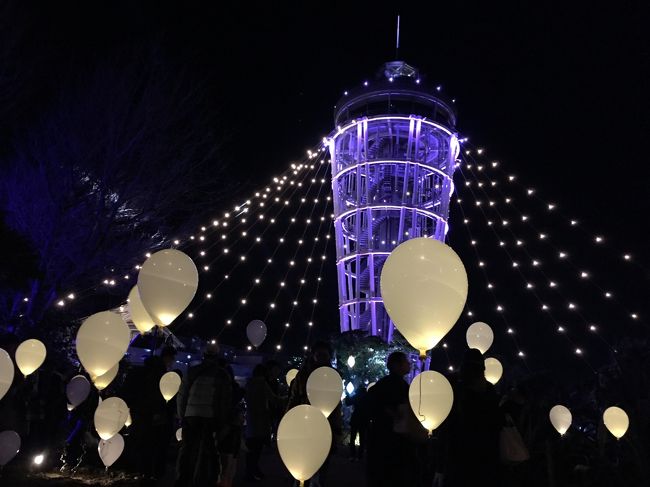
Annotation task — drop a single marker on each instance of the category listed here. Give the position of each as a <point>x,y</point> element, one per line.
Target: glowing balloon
<point>179,434</point>
<point>110,417</point>
<point>30,355</point>
<point>141,319</point>
<point>6,372</point>
<point>102,382</point>
<point>431,398</point>
<point>256,332</point>
<point>561,418</point>
<point>102,341</point>
<point>324,389</point>
<point>616,421</point>
<point>77,390</point>
<point>167,283</point>
<point>9,446</point>
<point>291,375</point>
<point>304,441</point>
<point>424,287</point>
<point>493,370</point>
<point>111,449</point>
<point>169,384</point>
<point>479,335</point>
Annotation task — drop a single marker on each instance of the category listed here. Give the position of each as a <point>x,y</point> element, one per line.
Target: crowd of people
<point>219,419</point>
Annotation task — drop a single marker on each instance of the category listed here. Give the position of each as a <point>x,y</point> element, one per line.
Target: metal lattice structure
<point>393,156</point>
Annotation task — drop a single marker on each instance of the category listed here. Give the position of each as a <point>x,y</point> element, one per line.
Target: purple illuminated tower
<point>393,157</point>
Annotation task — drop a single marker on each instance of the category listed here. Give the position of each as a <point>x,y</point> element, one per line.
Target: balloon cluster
<point>615,420</point>
<point>166,285</point>
<point>304,434</point>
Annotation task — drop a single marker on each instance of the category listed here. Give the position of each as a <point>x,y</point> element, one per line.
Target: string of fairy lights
<point>319,278</point>
<point>510,179</point>
<point>585,275</point>
<point>303,279</point>
<point>293,263</point>
<point>483,182</point>
<point>475,173</point>
<point>565,256</point>
<point>283,183</point>
<point>527,284</point>
<point>552,284</point>
<point>510,330</point>
<point>114,280</point>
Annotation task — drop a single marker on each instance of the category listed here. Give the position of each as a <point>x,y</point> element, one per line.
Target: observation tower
<point>393,155</point>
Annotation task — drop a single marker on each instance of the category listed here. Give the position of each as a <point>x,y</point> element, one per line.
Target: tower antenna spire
<point>397,40</point>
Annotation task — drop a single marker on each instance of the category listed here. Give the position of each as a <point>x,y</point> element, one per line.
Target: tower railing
<point>391,181</point>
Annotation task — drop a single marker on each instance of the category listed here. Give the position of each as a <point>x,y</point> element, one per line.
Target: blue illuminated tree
<point>121,161</point>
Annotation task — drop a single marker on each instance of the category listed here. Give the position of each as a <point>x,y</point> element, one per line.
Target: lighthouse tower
<point>393,155</point>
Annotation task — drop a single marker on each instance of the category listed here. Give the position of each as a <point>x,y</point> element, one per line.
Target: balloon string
<point>422,359</point>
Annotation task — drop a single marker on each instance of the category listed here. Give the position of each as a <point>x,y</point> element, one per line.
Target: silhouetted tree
<point>120,162</point>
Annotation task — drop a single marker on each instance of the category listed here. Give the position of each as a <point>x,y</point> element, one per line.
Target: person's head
<point>398,364</point>
<point>211,349</point>
<point>168,355</point>
<point>473,367</point>
<point>321,353</point>
<point>259,371</point>
<point>273,369</point>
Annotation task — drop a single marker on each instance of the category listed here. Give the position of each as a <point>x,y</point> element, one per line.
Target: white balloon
<point>304,441</point>
<point>493,370</point>
<point>111,449</point>
<point>324,389</point>
<point>424,288</point>
<point>141,319</point>
<point>169,384</point>
<point>110,417</point>
<point>77,390</point>
<point>167,283</point>
<point>179,434</point>
<point>30,355</point>
<point>479,335</point>
<point>102,341</point>
<point>616,421</point>
<point>256,332</point>
<point>561,418</point>
<point>431,398</point>
<point>9,446</point>
<point>6,372</point>
<point>291,375</point>
<point>102,382</point>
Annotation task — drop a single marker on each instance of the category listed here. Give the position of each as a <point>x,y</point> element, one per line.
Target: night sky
<point>558,95</point>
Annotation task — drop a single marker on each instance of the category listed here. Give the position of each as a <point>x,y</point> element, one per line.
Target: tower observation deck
<point>393,156</point>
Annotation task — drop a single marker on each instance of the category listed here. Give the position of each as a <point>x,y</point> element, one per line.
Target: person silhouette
<point>391,455</point>
<point>470,435</point>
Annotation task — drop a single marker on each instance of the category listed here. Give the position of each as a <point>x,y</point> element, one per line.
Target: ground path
<point>342,473</point>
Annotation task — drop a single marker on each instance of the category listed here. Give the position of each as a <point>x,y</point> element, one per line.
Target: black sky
<point>556,93</point>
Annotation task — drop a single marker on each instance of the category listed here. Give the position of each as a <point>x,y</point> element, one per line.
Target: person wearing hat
<point>204,404</point>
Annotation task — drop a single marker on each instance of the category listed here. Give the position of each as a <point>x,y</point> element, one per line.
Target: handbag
<point>512,449</point>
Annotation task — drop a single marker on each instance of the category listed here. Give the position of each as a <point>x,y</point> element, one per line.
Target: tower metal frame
<point>392,180</point>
